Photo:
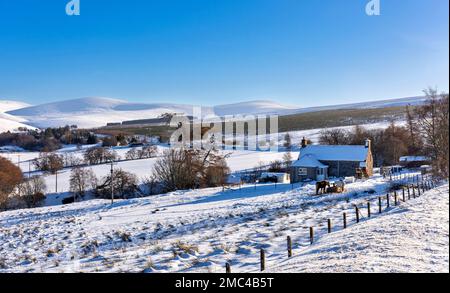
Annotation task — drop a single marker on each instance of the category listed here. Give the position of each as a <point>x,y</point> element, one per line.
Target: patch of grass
<point>124,236</point>
<point>186,247</point>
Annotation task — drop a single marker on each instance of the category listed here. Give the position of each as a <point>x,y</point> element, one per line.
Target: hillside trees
<point>49,162</point>
<point>99,155</point>
<point>145,152</point>
<point>387,145</point>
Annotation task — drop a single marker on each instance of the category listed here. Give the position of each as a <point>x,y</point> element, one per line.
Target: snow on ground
<point>410,239</point>
<point>10,122</point>
<point>200,230</point>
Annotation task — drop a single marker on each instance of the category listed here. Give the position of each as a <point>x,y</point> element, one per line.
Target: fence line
<point>424,183</point>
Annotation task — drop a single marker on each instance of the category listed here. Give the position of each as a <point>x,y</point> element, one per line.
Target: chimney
<point>304,142</point>
<point>368,144</point>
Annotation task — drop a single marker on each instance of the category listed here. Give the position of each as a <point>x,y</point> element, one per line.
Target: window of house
<point>302,171</point>
<point>320,171</point>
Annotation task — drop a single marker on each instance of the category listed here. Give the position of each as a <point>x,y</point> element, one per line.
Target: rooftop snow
<point>308,161</point>
<point>356,153</point>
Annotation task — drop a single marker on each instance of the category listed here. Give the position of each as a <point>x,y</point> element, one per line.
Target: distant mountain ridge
<point>97,111</point>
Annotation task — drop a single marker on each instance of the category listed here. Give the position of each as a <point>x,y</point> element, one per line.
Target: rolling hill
<point>96,111</point>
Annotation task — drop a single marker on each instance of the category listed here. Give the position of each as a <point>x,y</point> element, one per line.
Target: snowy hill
<point>253,107</point>
<point>97,112</point>
<point>9,122</point>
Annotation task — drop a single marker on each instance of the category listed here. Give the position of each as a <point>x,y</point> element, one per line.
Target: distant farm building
<point>414,161</point>
<point>163,120</point>
<point>319,162</point>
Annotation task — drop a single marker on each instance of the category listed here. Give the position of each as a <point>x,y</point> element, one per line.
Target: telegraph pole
<point>112,182</point>
<point>56,182</point>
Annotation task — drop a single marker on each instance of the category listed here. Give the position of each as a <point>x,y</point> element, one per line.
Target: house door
<point>321,174</point>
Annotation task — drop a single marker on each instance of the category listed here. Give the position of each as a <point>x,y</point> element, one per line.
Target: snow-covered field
<point>200,230</point>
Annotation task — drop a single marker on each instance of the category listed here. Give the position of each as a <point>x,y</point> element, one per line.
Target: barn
<point>319,162</point>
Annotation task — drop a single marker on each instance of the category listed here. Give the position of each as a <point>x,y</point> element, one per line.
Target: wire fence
<point>406,187</point>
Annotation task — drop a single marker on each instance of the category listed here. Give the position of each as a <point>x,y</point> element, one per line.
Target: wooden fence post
<point>345,220</point>
<point>329,226</point>
<point>409,193</point>
<point>388,204</point>
<point>379,206</point>
<point>228,268</point>
<point>357,214</point>
<point>368,210</point>
<point>418,188</point>
<point>263,259</point>
<point>289,246</point>
<point>403,194</point>
<point>311,235</point>
<point>395,198</point>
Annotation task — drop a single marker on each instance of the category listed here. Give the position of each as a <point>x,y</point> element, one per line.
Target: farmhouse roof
<point>353,153</point>
<point>308,161</point>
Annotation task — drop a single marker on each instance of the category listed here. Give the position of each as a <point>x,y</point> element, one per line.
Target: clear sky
<point>301,52</point>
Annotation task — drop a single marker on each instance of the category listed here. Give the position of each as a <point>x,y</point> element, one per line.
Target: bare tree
<point>33,191</point>
<point>81,180</point>
<point>181,168</point>
<point>334,137</point>
<point>276,166</point>
<point>432,120</point>
<point>132,154</point>
<point>125,185</point>
<point>148,152</point>
<point>49,162</point>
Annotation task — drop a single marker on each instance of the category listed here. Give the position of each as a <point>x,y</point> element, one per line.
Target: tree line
<point>425,134</point>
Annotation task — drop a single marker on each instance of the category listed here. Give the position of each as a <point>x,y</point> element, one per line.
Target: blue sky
<point>302,52</point>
